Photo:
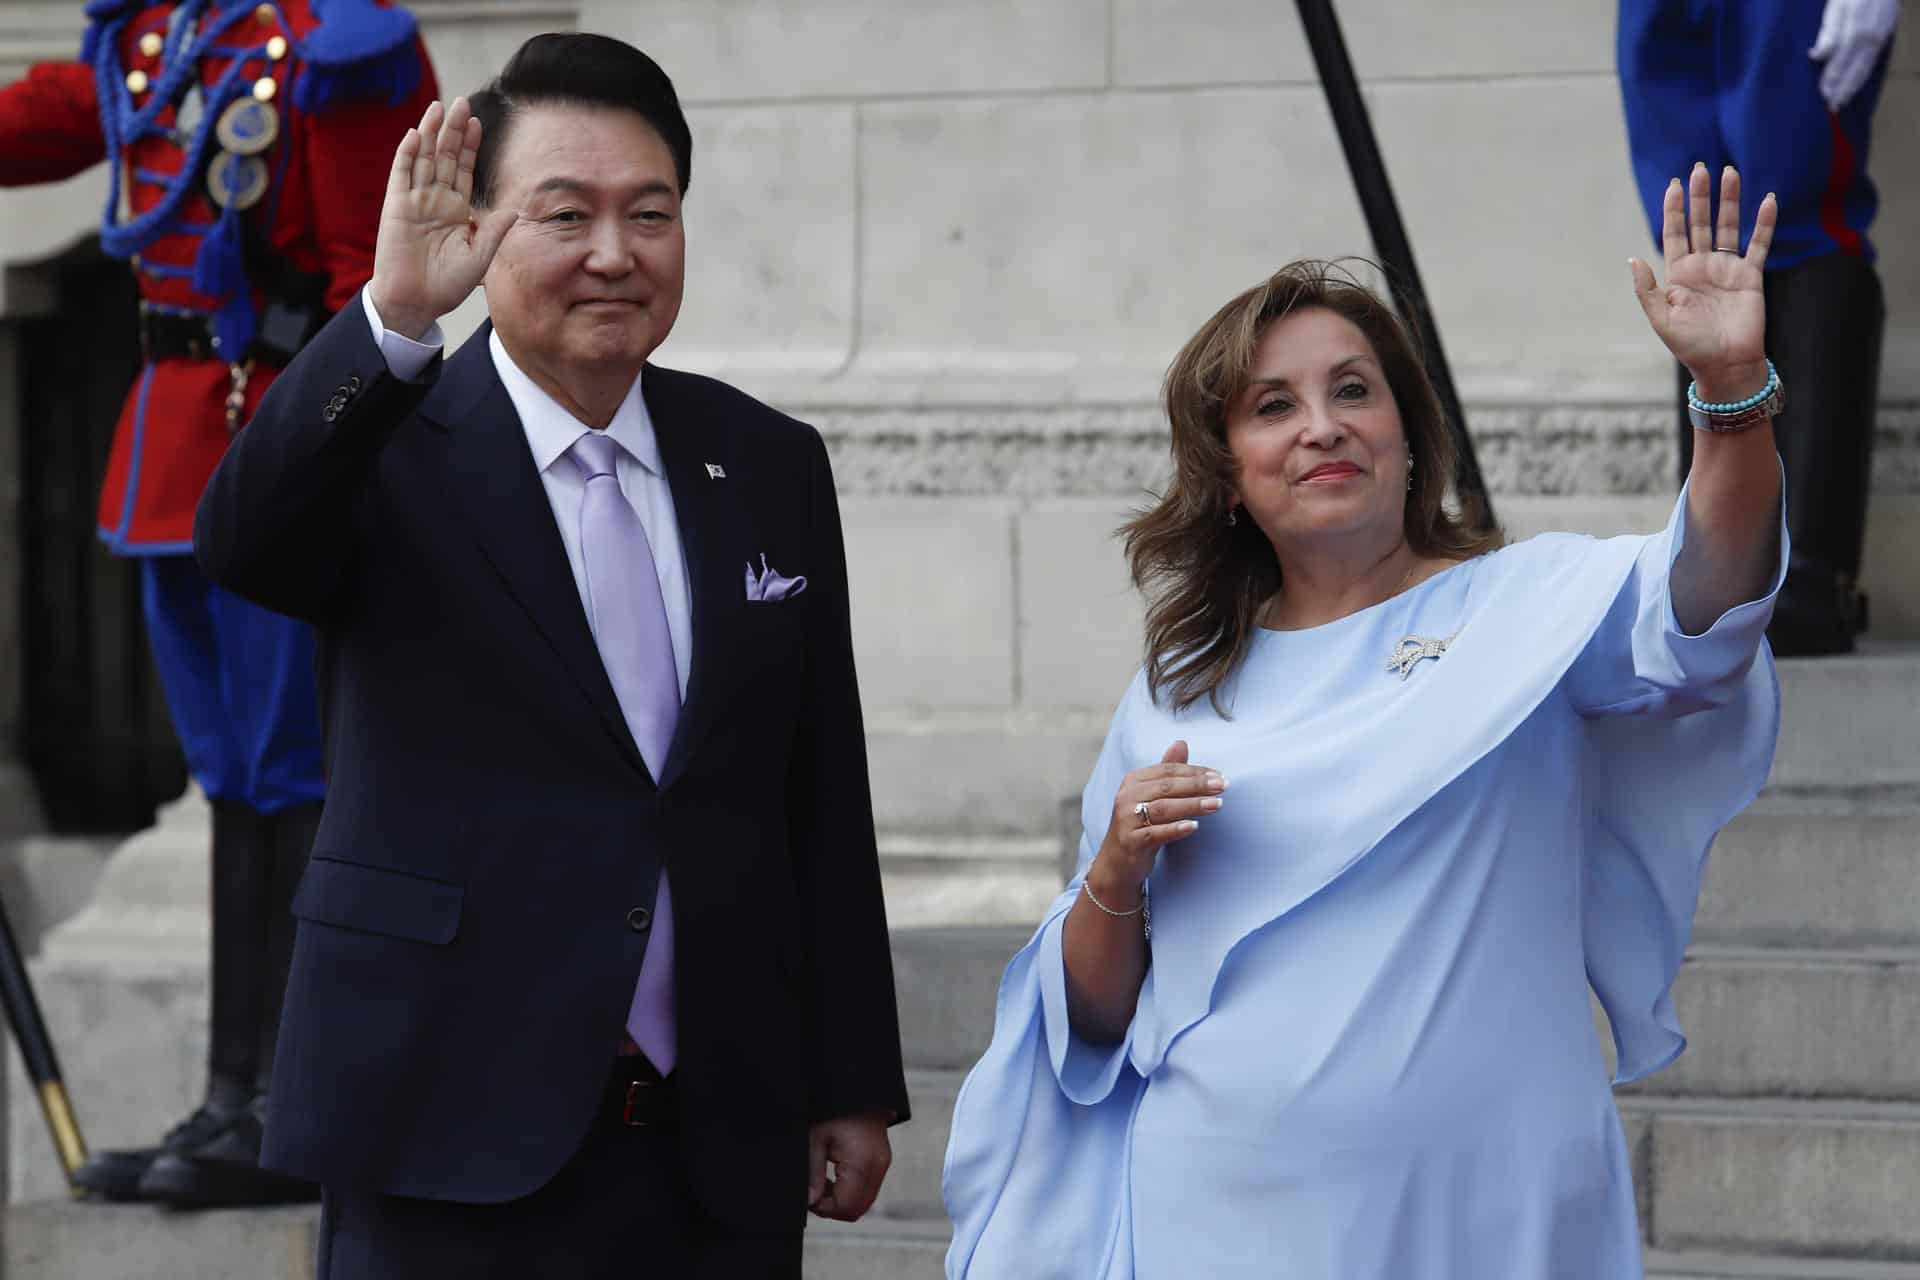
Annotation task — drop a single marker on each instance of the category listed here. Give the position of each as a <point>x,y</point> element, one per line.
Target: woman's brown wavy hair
<point>1205,580</point>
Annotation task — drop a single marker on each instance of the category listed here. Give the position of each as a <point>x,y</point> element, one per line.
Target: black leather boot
<point>238,880</point>
<point>117,1175</point>
<point>223,1168</point>
<point>1825,319</point>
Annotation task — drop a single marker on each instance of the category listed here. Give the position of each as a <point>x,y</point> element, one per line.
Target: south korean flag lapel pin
<point>715,471</point>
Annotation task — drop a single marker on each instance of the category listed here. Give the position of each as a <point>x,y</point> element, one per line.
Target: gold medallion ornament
<point>264,13</point>
<point>247,127</point>
<point>264,88</point>
<point>277,48</point>
<point>152,43</point>
<point>237,182</point>
<point>136,82</point>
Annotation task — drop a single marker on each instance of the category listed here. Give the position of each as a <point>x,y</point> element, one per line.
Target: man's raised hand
<point>434,244</point>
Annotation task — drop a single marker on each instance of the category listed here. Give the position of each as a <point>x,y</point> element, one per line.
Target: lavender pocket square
<point>769,586</point>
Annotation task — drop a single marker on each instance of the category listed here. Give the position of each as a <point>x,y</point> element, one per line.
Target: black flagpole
<point>1389,234</point>
<point>36,1052</point>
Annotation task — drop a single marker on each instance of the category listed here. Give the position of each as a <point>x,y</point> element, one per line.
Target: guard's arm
<point>49,125</point>
<point>347,191</point>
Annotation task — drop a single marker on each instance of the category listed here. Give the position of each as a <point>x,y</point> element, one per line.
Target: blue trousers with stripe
<point>1730,82</point>
<point>240,686</point>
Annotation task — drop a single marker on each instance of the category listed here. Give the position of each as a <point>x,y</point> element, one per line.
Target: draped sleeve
<point>1640,662</point>
<point>1058,1103</point>
<point>1681,731</point>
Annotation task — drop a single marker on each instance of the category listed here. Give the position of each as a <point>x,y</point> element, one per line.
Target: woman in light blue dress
<point>1382,804</point>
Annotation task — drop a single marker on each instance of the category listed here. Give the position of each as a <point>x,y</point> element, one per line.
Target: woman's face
<point>1316,435</point>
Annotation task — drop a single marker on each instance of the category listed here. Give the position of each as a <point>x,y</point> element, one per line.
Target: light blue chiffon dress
<point>1364,1049</point>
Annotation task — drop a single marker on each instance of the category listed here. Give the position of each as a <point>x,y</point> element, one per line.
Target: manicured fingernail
<point>1187,824</point>
<point>1674,183</point>
<point>1210,803</point>
<point>1769,195</point>
<point>1218,781</point>
<point>1699,164</point>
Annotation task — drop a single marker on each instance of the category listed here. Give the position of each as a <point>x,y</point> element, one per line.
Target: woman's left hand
<point>1711,313</point>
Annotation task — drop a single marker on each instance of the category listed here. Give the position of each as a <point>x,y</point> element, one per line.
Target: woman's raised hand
<point>1711,313</point>
<point>1176,795</point>
<point>434,244</point>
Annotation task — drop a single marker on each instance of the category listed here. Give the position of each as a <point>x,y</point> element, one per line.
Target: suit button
<point>639,919</point>
<point>353,383</point>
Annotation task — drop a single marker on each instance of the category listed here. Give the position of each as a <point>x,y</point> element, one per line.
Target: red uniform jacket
<point>329,170</point>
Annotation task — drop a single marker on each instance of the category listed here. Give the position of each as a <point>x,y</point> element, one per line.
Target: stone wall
<point>965,238</point>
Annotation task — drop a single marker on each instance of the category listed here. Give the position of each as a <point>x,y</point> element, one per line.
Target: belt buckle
<point>636,1102</point>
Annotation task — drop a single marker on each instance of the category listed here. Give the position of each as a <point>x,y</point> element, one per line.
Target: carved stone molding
<point>1121,450</point>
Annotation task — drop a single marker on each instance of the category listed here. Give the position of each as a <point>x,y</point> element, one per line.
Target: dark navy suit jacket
<point>473,919</point>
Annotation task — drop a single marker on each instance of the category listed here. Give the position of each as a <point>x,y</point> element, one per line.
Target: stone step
<point>876,1249</point>
<point>1822,867</point>
<point>1850,722</point>
<point>935,879</point>
<point>947,980</point>
<point>1753,1176</point>
<point>60,1240</point>
<point>1806,865</point>
<point>1663,1265</point>
<point>1760,1021</point>
<point>1780,1176</point>
<point>1797,1022</point>
<point>65,1240</point>
<point>917,1251</point>
<point>1847,723</point>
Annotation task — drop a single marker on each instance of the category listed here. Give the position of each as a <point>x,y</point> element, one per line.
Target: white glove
<point>1852,34</point>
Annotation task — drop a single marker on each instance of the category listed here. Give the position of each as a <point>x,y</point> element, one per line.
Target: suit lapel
<point>496,483</point>
<point>710,513</point>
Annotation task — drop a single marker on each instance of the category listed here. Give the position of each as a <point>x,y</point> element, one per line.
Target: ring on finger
<point>1140,812</point>
<point>1718,249</point>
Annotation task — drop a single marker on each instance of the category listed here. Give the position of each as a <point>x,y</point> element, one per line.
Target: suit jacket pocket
<point>353,895</point>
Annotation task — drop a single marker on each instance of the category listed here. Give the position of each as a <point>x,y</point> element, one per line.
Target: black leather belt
<point>639,1097</point>
<point>172,335</point>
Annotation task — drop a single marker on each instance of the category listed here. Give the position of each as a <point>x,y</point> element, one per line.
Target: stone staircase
<point>1784,1145</point>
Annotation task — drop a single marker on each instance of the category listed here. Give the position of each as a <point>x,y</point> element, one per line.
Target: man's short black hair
<point>577,69</point>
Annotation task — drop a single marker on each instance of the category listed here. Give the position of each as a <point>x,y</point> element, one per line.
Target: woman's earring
<point>1233,516</point>
<point>1409,471</point>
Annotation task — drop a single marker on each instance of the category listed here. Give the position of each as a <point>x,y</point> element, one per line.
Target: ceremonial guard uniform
<point>1784,90</point>
<point>248,146</point>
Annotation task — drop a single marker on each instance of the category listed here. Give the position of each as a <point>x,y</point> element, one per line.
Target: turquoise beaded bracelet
<point>1737,415</point>
<point>1734,406</point>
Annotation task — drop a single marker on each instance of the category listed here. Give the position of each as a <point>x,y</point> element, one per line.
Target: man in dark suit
<point>592,974</point>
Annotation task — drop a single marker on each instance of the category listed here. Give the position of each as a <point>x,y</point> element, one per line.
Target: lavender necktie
<point>630,627</point>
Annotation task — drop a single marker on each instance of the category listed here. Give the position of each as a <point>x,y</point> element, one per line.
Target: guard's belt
<point>284,329</point>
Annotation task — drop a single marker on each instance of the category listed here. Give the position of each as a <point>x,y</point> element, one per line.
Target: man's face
<point>591,276</point>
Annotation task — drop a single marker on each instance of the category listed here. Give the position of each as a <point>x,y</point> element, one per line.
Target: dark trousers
<point>619,1210</point>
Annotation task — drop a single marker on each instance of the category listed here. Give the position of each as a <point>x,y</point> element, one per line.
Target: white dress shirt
<point>550,432</point>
